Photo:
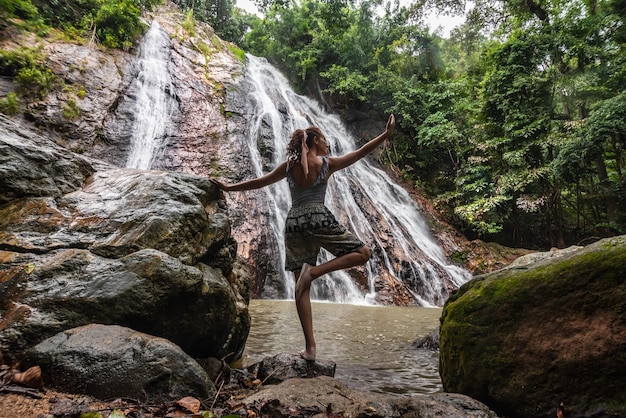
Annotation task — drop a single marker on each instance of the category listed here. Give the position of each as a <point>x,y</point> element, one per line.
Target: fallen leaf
<point>191,404</point>
<point>91,414</point>
<point>28,268</point>
<point>31,378</point>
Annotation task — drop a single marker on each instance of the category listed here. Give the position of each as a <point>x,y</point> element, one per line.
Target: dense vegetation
<point>514,125</point>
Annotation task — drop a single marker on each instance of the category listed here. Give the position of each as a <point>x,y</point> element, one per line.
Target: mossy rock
<point>522,340</point>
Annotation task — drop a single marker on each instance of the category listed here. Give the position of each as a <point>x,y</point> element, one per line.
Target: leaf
<point>116,414</point>
<point>91,414</point>
<point>28,268</point>
<point>189,403</point>
<point>31,378</point>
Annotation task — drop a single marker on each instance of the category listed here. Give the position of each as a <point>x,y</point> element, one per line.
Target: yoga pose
<point>310,225</point>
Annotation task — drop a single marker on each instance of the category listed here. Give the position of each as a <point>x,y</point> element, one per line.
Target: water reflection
<point>370,344</point>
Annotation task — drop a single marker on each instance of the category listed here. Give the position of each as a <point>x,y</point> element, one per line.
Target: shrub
<point>19,8</point>
<point>10,105</point>
<point>11,62</point>
<point>36,80</point>
<point>118,23</point>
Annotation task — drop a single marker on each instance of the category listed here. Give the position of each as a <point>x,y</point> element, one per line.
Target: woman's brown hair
<point>294,147</point>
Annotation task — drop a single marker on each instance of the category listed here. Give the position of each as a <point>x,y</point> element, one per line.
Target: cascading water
<point>362,197</point>
<point>154,101</point>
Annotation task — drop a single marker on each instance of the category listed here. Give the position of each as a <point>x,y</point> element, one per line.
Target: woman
<point>310,225</point>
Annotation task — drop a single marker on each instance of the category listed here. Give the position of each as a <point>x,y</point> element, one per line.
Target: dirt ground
<point>49,403</point>
<point>13,405</point>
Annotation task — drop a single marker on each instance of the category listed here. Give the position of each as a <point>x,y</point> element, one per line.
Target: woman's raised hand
<point>391,124</point>
<point>304,161</point>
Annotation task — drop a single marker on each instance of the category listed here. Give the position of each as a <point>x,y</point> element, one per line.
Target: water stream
<point>363,197</point>
<point>371,345</point>
<point>154,101</point>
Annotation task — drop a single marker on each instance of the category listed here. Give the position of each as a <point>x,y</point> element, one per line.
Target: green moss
<point>205,49</point>
<point>189,24</point>
<point>71,110</point>
<point>240,54</point>
<point>81,93</point>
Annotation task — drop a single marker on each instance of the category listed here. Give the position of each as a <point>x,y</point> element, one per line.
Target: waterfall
<point>363,197</point>
<point>154,101</point>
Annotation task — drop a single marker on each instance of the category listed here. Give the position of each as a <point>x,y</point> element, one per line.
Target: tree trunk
<point>609,198</point>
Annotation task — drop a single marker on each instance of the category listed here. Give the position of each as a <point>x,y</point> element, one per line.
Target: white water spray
<point>362,197</point>
<point>154,101</point>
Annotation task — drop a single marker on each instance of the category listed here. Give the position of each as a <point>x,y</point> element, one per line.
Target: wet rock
<point>193,306</point>
<point>323,396</point>
<point>428,342</point>
<point>31,166</point>
<point>217,369</point>
<point>524,339</point>
<point>273,370</point>
<point>121,211</point>
<point>112,361</point>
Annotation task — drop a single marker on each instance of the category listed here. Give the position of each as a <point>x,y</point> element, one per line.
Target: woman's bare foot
<point>308,355</point>
<point>304,280</point>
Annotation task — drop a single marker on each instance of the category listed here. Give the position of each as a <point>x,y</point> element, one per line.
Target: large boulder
<point>149,291</point>
<point>88,243</point>
<point>120,211</point>
<point>522,340</point>
<point>112,361</point>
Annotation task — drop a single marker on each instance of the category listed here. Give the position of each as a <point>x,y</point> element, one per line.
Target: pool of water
<point>371,345</point>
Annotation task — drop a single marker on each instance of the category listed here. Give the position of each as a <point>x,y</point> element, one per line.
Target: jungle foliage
<point>112,23</point>
<point>514,125</point>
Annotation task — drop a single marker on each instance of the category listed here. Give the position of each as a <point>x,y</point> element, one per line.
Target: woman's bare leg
<point>303,305</point>
<point>303,292</point>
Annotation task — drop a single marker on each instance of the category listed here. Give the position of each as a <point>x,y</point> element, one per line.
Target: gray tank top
<point>315,193</point>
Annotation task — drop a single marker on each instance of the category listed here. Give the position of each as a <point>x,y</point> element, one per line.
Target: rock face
<point>524,339</point>
<point>31,166</point>
<point>144,249</point>
<point>111,361</point>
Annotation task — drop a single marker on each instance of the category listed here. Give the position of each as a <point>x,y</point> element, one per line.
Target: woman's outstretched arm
<point>343,161</point>
<point>273,176</point>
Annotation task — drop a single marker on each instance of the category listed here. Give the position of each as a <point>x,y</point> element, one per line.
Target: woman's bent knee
<point>366,253</point>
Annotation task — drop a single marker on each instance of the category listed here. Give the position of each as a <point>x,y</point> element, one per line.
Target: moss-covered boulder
<point>522,340</point>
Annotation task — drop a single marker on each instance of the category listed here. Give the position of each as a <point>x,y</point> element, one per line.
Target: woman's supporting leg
<point>303,291</point>
<point>303,305</point>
